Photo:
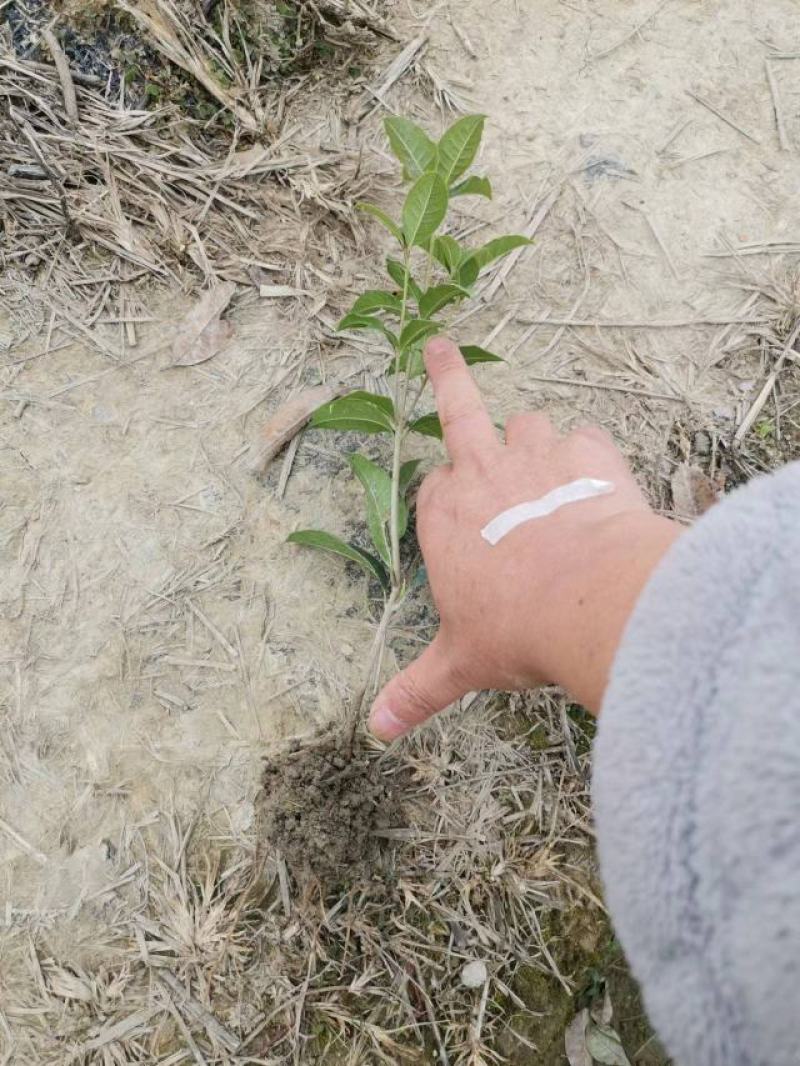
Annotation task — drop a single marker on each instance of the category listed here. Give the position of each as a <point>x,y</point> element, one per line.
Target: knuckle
<point>418,696</point>
<point>431,487</point>
<point>450,363</point>
<point>457,413</point>
<point>530,420</point>
<point>590,435</point>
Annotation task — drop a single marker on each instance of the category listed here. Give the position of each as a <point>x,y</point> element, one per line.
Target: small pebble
<point>474,975</point>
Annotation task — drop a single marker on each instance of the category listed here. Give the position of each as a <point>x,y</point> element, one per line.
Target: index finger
<point>466,425</point>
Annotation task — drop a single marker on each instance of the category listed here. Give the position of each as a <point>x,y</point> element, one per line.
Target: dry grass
<point>219,958</point>
<point>91,208</point>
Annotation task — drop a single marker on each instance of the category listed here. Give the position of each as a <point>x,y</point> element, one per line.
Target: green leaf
<point>440,296</point>
<point>428,426</point>
<point>407,472</point>
<point>424,209</point>
<point>459,146</point>
<point>448,252</point>
<point>376,300</point>
<point>473,354</point>
<point>473,186</point>
<point>467,273</point>
<point>376,212</point>
<point>495,249</point>
<point>354,321</point>
<point>397,273</point>
<point>377,487</point>
<point>315,538</point>
<point>412,146</point>
<point>361,411</point>
<point>417,330</point>
<point>409,363</point>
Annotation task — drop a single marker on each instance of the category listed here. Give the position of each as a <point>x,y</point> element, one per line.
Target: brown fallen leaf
<point>604,1045</point>
<point>693,492</point>
<point>288,420</point>
<point>575,1040</point>
<point>201,332</point>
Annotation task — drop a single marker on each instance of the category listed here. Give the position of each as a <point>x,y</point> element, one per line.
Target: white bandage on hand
<point>507,521</point>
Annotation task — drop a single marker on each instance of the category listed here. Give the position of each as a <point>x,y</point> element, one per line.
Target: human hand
<point>548,603</point>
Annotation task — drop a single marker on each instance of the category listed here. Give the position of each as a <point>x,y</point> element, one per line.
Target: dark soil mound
<point>324,810</point>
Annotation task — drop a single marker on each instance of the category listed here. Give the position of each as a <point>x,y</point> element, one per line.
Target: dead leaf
<point>602,1013</point>
<point>68,985</point>
<point>575,1041</point>
<point>604,1045</point>
<point>288,420</point>
<point>201,333</point>
<point>693,492</point>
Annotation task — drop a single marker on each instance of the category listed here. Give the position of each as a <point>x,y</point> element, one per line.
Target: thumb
<point>423,689</point>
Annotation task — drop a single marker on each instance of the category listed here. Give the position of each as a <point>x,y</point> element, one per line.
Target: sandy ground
<point>156,634</point>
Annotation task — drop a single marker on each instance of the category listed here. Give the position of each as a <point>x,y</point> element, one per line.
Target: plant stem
<point>372,673</point>
<point>400,391</point>
<point>402,414</point>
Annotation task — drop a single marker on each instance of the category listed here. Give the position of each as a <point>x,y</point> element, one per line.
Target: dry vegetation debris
<point>214,957</point>
<point>101,191</point>
<point>211,952</point>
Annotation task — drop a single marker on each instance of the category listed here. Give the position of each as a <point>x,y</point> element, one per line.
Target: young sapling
<point>432,273</point>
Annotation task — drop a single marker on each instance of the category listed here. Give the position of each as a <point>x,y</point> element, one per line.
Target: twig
<point>111,1033</point>
<point>783,136</point>
<point>466,43</point>
<point>312,958</point>
<point>757,248</point>
<point>721,115</point>
<point>610,388</point>
<point>64,75</point>
<point>215,633</point>
<point>19,120</point>
<point>758,404</point>
<point>21,842</point>
<point>660,242</point>
<point>394,72</point>
<point>674,323</point>
<point>426,999</point>
<point>37,355</point>
<point>623,40</point>
<point>286,469</point>
<point>199,1058</point>
<point>694,158</point>
<point>674,133</point>
<point>216,1031</point>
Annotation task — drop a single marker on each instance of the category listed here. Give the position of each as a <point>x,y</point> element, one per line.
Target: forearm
<point>697,783</point>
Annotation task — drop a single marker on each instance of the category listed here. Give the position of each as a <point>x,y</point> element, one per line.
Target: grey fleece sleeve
<point>697,785</point>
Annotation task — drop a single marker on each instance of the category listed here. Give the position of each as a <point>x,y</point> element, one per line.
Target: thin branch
<point>64,76</point>
<point>783,136</point>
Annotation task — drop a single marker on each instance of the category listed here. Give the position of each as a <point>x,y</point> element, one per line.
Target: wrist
<point>614,562</point>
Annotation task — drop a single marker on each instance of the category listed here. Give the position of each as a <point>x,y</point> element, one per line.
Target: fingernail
<point>438,345</point>
<point>384,723</point>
